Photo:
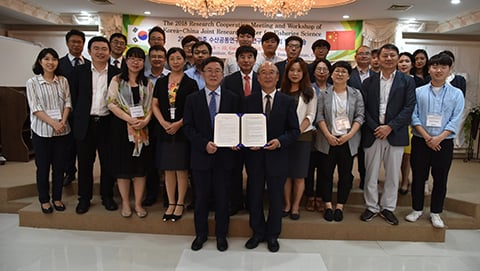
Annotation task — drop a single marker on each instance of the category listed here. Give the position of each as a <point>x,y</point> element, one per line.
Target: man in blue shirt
<point>435,120</point>
<point>201,51</point>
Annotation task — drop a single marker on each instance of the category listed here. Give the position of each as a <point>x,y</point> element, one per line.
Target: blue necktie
<point>212,106</point>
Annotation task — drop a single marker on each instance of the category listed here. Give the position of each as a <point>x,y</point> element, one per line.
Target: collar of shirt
<point>148,73</point>
<point>271,94</point>
<point>392,75</point>
<point>41,79</point>
<point>363,71</point>
<point>72,58</point>
<point>250,74</point>
<point>218,91</point>
<point>95,70</point>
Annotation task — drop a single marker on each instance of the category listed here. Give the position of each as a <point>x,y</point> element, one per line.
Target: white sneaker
<point>437,221</point>
<point>414,216</point>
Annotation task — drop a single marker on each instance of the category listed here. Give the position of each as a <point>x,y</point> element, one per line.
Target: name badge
<point>434,120</point>
<point>136,111</point>
<point>54,114</point>
<point>342,123</point>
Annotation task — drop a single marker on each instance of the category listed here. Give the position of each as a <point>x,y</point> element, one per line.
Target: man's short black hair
<point>98,39</point>
<point>118,35</point>
<point>440,59</point>
<point>321,43</point>
<point>245,49</point>
<point>159,30</point>
<point>388,46</point>
<point>157,48</point>
<point>200,43</point>
<point>270,35</point>
<point>297,38</point>
<point>75,32</point>
<point>246,29</point>
<point>188,39</point>
<point>210,60</point>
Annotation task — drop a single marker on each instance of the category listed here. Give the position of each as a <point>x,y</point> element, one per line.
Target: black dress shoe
<point>68,179</point>
<point>338,215</point>
<point>149,202</point>
<point>82,206</point>
<point>109,204</point>
<point>48,210</point>
<point>285,213</point>
<point>328,214</point>
<point>222,244</point>
<point>294,216</point>
<point>253,242</point>
<point>273,245</point>
<point>198,243</point>
<point>59,208</point>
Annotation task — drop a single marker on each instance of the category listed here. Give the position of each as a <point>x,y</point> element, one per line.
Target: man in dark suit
<point>89,86</point>
<point>361,72</point>
<point>270,163</point>
<point>293,48</point>
<point>389,98</point>
<point>211,165</point>
<point>243,83</point>
<point>75,41</point>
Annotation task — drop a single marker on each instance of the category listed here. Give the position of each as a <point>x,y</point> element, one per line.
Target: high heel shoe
<point>48,210</point>
<point>175,217</point>
<point>310,206</point>
<point>166,216</point>
<point>59,208</point>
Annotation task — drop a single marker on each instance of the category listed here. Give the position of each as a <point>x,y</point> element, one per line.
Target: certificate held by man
<point>248,130</point>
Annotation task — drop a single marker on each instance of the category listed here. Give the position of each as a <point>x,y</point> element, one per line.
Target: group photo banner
<point>344,36</point>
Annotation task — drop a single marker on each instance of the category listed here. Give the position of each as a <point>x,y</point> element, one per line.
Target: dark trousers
<point>236,181</point>
<point>216,181</point>
<point>272,227</point>
<point>361,165</point>
<point>313,189</point>
<point>337,156</point>
<point>49,151</point>
<point>423,159</point>
<point>97,138</point>
<point>70,155</point>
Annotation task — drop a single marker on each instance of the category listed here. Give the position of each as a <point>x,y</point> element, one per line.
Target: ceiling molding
<point>32,11</point>
<point>459,22</point>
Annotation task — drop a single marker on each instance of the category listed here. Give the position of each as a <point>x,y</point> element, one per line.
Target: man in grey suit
<point>389,98</point>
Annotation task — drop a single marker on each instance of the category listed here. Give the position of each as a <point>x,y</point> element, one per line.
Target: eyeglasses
<point>213,71</point>
<point>204,52</point>
<point>293,46</point>
<point>135,59</point>
<point>157,39</point>
<point>116,42</point>
<point>324,70</point>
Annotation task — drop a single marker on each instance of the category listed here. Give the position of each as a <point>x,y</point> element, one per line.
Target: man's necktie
<point>76,61</point>
<point>247,90</point>
<point>212,106</point>
<point>116,63</point>
<point>268,106</point>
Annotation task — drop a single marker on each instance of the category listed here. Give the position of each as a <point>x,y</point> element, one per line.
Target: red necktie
<point>247,90</point>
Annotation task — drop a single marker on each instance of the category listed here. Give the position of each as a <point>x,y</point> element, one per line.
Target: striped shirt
<point>44,96</point>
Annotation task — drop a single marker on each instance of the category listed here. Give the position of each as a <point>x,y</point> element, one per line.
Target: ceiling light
<point>455,2</point>
<point>346,16</point>
<point>207,8</point>
<point>146,12</point>
<point>287,8</point>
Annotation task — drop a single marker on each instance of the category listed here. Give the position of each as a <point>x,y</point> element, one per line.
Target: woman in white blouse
<point>296,83</point>
<point>49,100</point>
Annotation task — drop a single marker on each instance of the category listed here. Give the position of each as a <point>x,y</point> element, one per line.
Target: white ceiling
<point>436,11</point>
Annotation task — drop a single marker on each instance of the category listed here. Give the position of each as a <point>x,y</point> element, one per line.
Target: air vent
<point>395,7</point>
<point>101,2</point>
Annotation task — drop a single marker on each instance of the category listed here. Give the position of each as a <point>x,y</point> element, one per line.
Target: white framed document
<point>248,130</point>
<point>226,131</point>
<point>254,130</point>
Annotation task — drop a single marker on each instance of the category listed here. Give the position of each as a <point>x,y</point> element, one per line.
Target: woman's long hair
<point>141,78</point>
<point>305,85</point>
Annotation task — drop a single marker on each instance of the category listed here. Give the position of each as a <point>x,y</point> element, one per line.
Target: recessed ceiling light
<point>279,15</point>
<point>84,12</point>
<point>147,12</point>
<point>346,16</point>
<point>455,2</point>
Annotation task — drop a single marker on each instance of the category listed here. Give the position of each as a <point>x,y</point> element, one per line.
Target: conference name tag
<point>136,111</point>
<point>342,123</point>
<point>434,120</point>
<point>54,114</point>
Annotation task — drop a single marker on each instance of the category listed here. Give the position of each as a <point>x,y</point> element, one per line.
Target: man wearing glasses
<point>118,43</point>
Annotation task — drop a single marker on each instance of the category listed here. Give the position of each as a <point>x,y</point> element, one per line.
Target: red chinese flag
<point>341,40</point>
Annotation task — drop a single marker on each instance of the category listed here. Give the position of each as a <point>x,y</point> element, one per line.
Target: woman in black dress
<point>130,100</point>
<point>172,153</point>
